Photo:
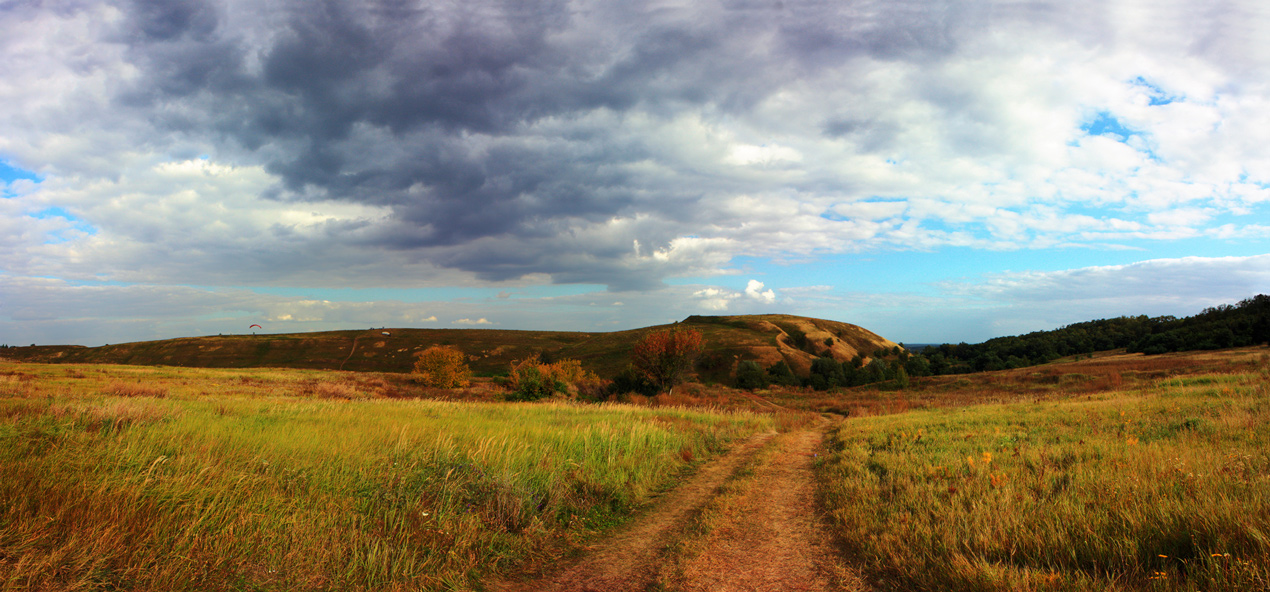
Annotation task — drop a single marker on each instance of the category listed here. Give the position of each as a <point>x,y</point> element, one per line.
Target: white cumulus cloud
<point>754,289</point>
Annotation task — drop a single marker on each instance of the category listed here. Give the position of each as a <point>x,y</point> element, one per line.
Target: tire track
<point>772,539</point>
<point>628,560</point>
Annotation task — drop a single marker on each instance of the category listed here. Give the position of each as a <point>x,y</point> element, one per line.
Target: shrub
<point>593,388</point>
<point>750,376</point>
<point>631,380</point>
<point>443,367</point>
<point>901,378</point>
<point>532,384</point>
<point>532,379</point>
<point>781,374</point>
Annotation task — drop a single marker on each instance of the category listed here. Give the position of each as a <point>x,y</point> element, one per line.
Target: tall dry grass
<point>1166,487</point>
<point>256,480</point>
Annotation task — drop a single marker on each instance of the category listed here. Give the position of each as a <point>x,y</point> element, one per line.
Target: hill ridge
<point>766,338</point>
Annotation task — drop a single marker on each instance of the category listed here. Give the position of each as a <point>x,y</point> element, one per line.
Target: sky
<point>934,171</point>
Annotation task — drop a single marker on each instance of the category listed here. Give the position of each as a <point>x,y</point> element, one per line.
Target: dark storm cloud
<point>479,143</point>
<point>163,20</point>
<point>436,110</point>
<point>425,78</point>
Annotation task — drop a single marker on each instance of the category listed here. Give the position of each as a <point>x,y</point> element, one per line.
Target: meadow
<point>1147,482</point>
<point>1110,472</point>
<point>118,477</point>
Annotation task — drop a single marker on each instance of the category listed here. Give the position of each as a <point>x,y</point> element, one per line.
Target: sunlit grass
<point>128,477</point>
<point>1166,487</point>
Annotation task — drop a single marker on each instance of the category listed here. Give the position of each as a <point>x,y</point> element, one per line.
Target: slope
<point>729,339</point>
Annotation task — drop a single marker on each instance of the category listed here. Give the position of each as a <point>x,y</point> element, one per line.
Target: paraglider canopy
<point>257,326</point>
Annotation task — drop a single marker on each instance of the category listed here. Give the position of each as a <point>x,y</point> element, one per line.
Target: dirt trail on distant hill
<point>770,539</point>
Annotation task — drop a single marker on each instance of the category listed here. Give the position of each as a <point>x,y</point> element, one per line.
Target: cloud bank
<point>234,144</point>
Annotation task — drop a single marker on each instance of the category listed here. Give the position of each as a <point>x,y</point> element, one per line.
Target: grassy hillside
<point>767,338</point>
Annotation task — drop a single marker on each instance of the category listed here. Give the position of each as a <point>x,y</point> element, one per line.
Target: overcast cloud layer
<point>186,152</point>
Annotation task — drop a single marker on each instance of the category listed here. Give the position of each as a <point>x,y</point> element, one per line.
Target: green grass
<point>180,479</point>
<point>1164,487</point>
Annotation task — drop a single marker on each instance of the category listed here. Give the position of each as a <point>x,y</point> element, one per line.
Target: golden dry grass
<point>1161,483</point>
<point>118,477</point>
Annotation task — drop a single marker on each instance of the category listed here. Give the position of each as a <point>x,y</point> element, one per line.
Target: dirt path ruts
<point>773,538</point>
<point>626,561</point>
<point>770,539</point>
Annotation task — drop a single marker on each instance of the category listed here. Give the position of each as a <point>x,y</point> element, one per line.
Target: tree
<point>750,376</point>
<point>664,357</point>
<point>781,374</point>
<point>443,367</point>
<point>826,373</point>
<point>917,365</point>
<point>901,378</point>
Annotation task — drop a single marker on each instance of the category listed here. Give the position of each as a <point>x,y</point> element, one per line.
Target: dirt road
<point>744,522</point>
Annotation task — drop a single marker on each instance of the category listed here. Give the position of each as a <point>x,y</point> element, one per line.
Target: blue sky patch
<point>834,216</point>
<point>53,213</point>
<point>77,224</point>
<point>1157,94</point>
<point>9,174</point>
<point>1107,124</point>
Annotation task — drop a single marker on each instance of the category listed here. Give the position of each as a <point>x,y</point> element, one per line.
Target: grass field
<point>1116,472</point>
<point>1155,484</point>
<point>115,477</point>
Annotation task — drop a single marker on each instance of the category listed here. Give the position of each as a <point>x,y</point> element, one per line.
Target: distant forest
<point>1243,324</point>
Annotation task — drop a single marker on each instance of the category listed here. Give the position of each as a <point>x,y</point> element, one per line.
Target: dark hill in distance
<point>765,338</point>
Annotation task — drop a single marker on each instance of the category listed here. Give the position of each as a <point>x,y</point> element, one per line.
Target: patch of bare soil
<point>772,538</point>
<point>627,561</point>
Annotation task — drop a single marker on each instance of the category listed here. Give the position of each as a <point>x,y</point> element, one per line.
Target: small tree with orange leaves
<point>664,357</point>
<point>532,379</point>
<point>443,367</point>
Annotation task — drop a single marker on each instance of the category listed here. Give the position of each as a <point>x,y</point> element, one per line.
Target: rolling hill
<point>765,338</point>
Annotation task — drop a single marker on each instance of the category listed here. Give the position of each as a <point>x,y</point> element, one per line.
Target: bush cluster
<point>630,380</point>
<point>532,379</point>
<point>750,376</point>
<point>442,366</point>
<point>827,373</point>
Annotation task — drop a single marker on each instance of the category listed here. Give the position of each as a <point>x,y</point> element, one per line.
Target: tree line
<point>1239,325</point>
